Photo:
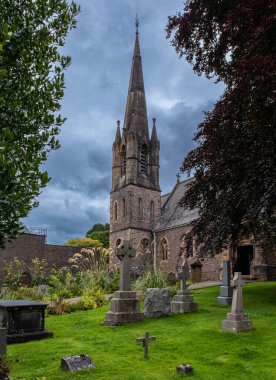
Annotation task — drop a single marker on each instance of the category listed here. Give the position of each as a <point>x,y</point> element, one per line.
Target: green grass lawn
<point>196,339</point>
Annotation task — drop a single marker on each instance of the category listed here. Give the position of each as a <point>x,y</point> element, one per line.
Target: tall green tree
<point>234,162</point>
<point>85,242</point>
<point>100,232</point>
<point>30,93</point>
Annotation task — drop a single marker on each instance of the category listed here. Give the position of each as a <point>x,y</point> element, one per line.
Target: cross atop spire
<point>137,23</point>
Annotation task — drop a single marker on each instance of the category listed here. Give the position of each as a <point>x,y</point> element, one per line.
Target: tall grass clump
<point>151,279</point>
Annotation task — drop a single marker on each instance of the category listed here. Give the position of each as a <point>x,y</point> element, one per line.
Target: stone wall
<point>211,267</point>
<point>129,216</point>
<point>29,246</point>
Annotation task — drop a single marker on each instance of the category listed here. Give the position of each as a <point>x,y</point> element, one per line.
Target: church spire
<point>136,110</point>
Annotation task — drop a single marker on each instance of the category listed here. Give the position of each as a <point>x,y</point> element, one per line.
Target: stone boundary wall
<point>29,246</point>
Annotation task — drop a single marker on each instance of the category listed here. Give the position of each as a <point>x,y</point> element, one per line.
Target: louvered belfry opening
<point>143,159</point>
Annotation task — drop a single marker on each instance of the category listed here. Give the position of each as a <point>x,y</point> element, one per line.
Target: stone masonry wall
<point>211,266</point>
<point>28,246</point>
<point>131,218</point>
<point>133,222</point>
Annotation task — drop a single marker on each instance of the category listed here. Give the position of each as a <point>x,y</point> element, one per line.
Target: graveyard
<point>194,338</point>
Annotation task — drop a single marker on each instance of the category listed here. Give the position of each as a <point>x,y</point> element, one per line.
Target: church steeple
<point>136,153</point>
<point>135,201</point>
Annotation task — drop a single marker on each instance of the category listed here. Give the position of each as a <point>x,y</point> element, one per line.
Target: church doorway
<point>244,258</point>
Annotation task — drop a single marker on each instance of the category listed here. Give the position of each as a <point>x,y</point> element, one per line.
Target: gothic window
<point>140,208</point>
<point>164,249</point>
<point>151,210</point>
<point>143,159</point>
<point>118,242</point>
<point>123,164</point>
<point>124,208</point>
<point>115,211</point>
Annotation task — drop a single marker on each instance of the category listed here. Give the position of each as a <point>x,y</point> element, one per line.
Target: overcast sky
<point>96,88</point>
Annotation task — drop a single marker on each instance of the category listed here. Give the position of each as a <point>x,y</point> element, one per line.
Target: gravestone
<point>3,341</point>
<point>226,291</point>
<point>237,320</point>
<point>124,307</point>
<point>24,320</point>
<point>145,340</point>
<point>185,369</point>
<point>157,303</point>
<point>77,363</point>
<point>183,300</point>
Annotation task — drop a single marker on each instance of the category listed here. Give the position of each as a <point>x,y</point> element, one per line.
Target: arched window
<point>143,159</point>
<point>123,164</point>
<point>186,246</point>
<point>164,249</point>
<point>151,210</point>
<point>140,208</point>
<point>124,208</point>
<point>118,242</point>
<point>115,211</point>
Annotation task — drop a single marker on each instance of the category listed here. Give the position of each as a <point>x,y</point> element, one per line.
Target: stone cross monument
<point>124,307</point>
<point>183,300</point>
<point>145,340</point>
<point>125,252</point>
<point>237,320</point>
<point>226,291</point>
<point>182,276</point>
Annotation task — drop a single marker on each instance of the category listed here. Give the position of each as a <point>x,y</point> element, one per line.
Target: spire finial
<point>137,23</point>
<point>178,177</point>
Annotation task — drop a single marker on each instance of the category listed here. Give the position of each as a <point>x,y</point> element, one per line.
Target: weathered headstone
<point>226,291</point>
<point>157,303</point>
<point>237,320</point>
<point>3,341</point>
<point>124,307</point>
<point>77,363</point>
<point>24,320</point>
<point>185,369</point>
<point>145,340</point>
<point>183,300</point>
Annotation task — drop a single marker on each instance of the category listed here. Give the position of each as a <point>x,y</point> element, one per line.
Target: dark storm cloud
<point>96,89</point>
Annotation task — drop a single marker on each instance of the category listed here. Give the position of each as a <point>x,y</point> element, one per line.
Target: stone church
<point>154,223</point>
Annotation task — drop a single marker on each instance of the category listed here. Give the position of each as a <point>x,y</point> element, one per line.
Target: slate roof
<point>172,215</point>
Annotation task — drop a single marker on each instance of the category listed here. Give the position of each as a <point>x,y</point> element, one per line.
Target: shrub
<point>39,267</point>
<point>150,279</point>
<point>107,282</point>
<point>92,298</point>
<point>25,293</point>
<point>5,367</point>
<point>13,274</point>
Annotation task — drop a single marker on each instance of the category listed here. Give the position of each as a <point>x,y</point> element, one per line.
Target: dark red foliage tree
<point>234,163</point>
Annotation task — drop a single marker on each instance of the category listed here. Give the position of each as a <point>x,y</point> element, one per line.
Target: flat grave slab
<point>23,320</point>
<point>77,363</point>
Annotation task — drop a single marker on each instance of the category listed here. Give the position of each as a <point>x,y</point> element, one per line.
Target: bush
<point>25,293</point>
<point>107,282</point>
<point>150,279</point>
<point>92,298</point>
<point>5,367</point>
